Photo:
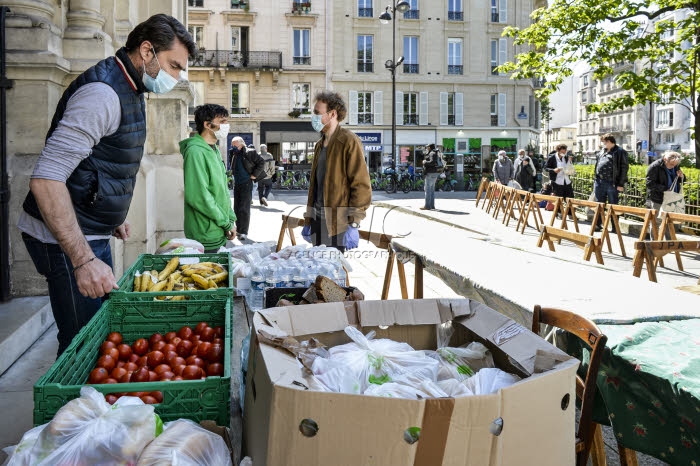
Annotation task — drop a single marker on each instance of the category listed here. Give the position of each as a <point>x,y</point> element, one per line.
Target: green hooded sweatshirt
<point>208,212</point>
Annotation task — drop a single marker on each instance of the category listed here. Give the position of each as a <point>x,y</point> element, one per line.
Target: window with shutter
<point>352,107</point>
<point>378,108</point>
<point>501,109</point>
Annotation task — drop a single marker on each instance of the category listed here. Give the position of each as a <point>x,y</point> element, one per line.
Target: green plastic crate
<point>158,262</point>
<point>198,400</point>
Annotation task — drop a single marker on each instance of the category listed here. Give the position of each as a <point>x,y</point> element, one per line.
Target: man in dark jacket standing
<point>247,166</point>
<point>265,185</point>
<point>610,173</point>
<point>660,177</point>
<point>83,181</point>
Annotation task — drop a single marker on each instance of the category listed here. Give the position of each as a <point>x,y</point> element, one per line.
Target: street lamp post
<point>391,65</point>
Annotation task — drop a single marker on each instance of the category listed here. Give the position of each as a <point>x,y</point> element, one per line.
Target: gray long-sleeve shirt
<point>92,113</point>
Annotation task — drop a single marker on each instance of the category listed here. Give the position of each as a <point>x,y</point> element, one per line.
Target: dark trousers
<point>264,187</point>
<point>606,191</point>
<point>563,190</point>
<point>242,198</point>
<point>71,310</point>
<point>320,235</point>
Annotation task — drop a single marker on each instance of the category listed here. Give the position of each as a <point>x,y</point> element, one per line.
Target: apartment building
<point>265,60</point>
<point>550,138</point>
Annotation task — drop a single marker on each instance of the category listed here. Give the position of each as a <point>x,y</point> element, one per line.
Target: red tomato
<point>167,375</point>
<point>158,346</point>
<point>215,353</point>
<point>114,352</point>
<point>207,334</point>
<point>200,326</point>
<point>185,333</point>
<point>120,363</point>
<point>107,361</point>
<point>152,376</point>
<point>131,366</point>
<point>140,346</point>
<point>115,337</point>
<point>126,378</point>
<point>155,358</point>
<point>217,341</point>
<point>106,346</point>
<point>140,375</point>
<point>148,399</point>
<point>177,370</point>
<point>195,339</point>
<point>184,348</point>
<point>197,361</point>
<point>178,361</point>
<point>98,375</point>
<point>124,351</point>
<point>168,347</point>
<point>175,341</point>
<point>143,361</point>
<point>169,336</point>
<point>192,372</point>
<point>158,396</point>
<point>118,372</point>
<point>136,394</point>
<point>203,349</point>
<point>169,356</point>
<point>134,357</point>
<point>161,368</point>
<point>154,338</point>
<point>219,331</point>
<point>111,380</point>
<point>215,369</point>
<point>111,398</point>
<point>178,377</point>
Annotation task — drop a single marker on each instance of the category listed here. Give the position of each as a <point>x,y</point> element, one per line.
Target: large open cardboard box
<point>536,415</point>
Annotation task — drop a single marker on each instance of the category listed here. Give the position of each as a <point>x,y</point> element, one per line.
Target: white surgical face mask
<point>222,132</point>
<point>162,83</point>
<point>316,122</point>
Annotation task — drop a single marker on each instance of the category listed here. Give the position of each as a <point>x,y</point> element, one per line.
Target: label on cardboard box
<point>508,331</point>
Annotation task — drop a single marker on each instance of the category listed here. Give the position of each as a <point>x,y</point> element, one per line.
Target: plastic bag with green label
<point>458,363</point>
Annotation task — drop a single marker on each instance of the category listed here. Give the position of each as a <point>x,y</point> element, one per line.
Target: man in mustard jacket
<point>340,190</point>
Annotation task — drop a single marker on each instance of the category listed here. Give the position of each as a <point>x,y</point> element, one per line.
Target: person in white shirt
<point>559,165</point>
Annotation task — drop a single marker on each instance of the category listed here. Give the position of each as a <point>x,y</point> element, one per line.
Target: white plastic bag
<point>184,443</point>
<point>88,430</point>
<point>458,363</point>
<point>490,380</point>
<point>180,246</point>
<point>514,184</point>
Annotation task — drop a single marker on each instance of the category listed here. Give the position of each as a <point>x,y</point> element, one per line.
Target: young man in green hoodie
<point>209,217</point>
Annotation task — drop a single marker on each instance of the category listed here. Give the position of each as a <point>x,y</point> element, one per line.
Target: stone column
<point>84,40</point>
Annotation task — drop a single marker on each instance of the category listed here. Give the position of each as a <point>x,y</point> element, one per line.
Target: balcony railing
<point>410,119</point>
<point>455,16</point>
<point>365,119</point>
<point>365,67</point>
<point>302,60</point>
<point>451,120</point>
<point>230,59</point>
<point>411,14</point>
<point>410,68</point>
<point>609,129</point>
<point>365,12</point>
<point>195,3</point>
<point>301,8</point>
<point>238,5</point>
<point>494,120</point>
<point>240,111</point>
<point>454,69</point>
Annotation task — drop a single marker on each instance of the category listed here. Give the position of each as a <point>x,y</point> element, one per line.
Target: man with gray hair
<point>661,175</point>
<point>246,166</point>
<point>265,185</point>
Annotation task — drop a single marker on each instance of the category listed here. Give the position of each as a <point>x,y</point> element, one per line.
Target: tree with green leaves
<point>662,36</point>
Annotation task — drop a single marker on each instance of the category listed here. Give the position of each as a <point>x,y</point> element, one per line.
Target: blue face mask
<point>316,122</point>
<point>162,83</point>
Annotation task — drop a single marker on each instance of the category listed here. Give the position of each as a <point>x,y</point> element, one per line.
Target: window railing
<point>365,12</point>
<point>365,67</point>
<point>494,17</point>
<point>238,4</point>
<point>301,110</point>
<point>451,120</point>
<point>365,119</point>
<point>411,14</point>
<point>240,111</point>
<point>302,60</point>
<point>455,16</point>
<point>234,59</point>
<point>195,3</point>
<point>454,69</point>
<point>410,119</point>
<point>410,68</point>
<point>494,120</point>
<point>301,7</point>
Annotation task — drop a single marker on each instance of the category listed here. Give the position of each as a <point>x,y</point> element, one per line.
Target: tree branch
<point>648,14</point>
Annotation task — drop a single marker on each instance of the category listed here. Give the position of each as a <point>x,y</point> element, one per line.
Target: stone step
<point>22,322</point>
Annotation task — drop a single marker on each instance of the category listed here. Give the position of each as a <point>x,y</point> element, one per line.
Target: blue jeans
<point>605,191</point>
<point>430,180</point>
<point>71,310</point>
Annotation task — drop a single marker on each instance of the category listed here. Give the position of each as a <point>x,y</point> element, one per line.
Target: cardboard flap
<point>398,312</point>
<point>307,319</point>
<point>453,308</point>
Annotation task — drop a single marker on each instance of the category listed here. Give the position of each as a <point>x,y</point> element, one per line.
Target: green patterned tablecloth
<point>649,388</point>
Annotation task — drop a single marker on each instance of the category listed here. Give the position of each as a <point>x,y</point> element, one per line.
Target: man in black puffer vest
<point>83,181</point>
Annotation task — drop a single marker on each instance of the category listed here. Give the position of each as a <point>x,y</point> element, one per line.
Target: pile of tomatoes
<point>187,354</point>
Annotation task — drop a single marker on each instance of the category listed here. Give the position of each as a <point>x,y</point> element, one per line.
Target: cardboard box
<point>286,425</point>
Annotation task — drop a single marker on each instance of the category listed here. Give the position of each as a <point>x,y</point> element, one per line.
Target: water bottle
<point>257,287</point>
<point>339,275</point>
<point>298,279</point>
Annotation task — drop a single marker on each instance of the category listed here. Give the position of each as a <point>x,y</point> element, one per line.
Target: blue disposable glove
<point>352,238</point>
<point>306,233</point>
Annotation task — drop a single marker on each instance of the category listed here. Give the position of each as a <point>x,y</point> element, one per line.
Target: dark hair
<point>608,137</point>
<point>561,147</point>
<point>207,112</point>
<point>333,101</point>
<point>161,31</point>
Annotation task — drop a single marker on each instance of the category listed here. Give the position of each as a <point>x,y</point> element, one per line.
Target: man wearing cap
<point>247,166</point>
